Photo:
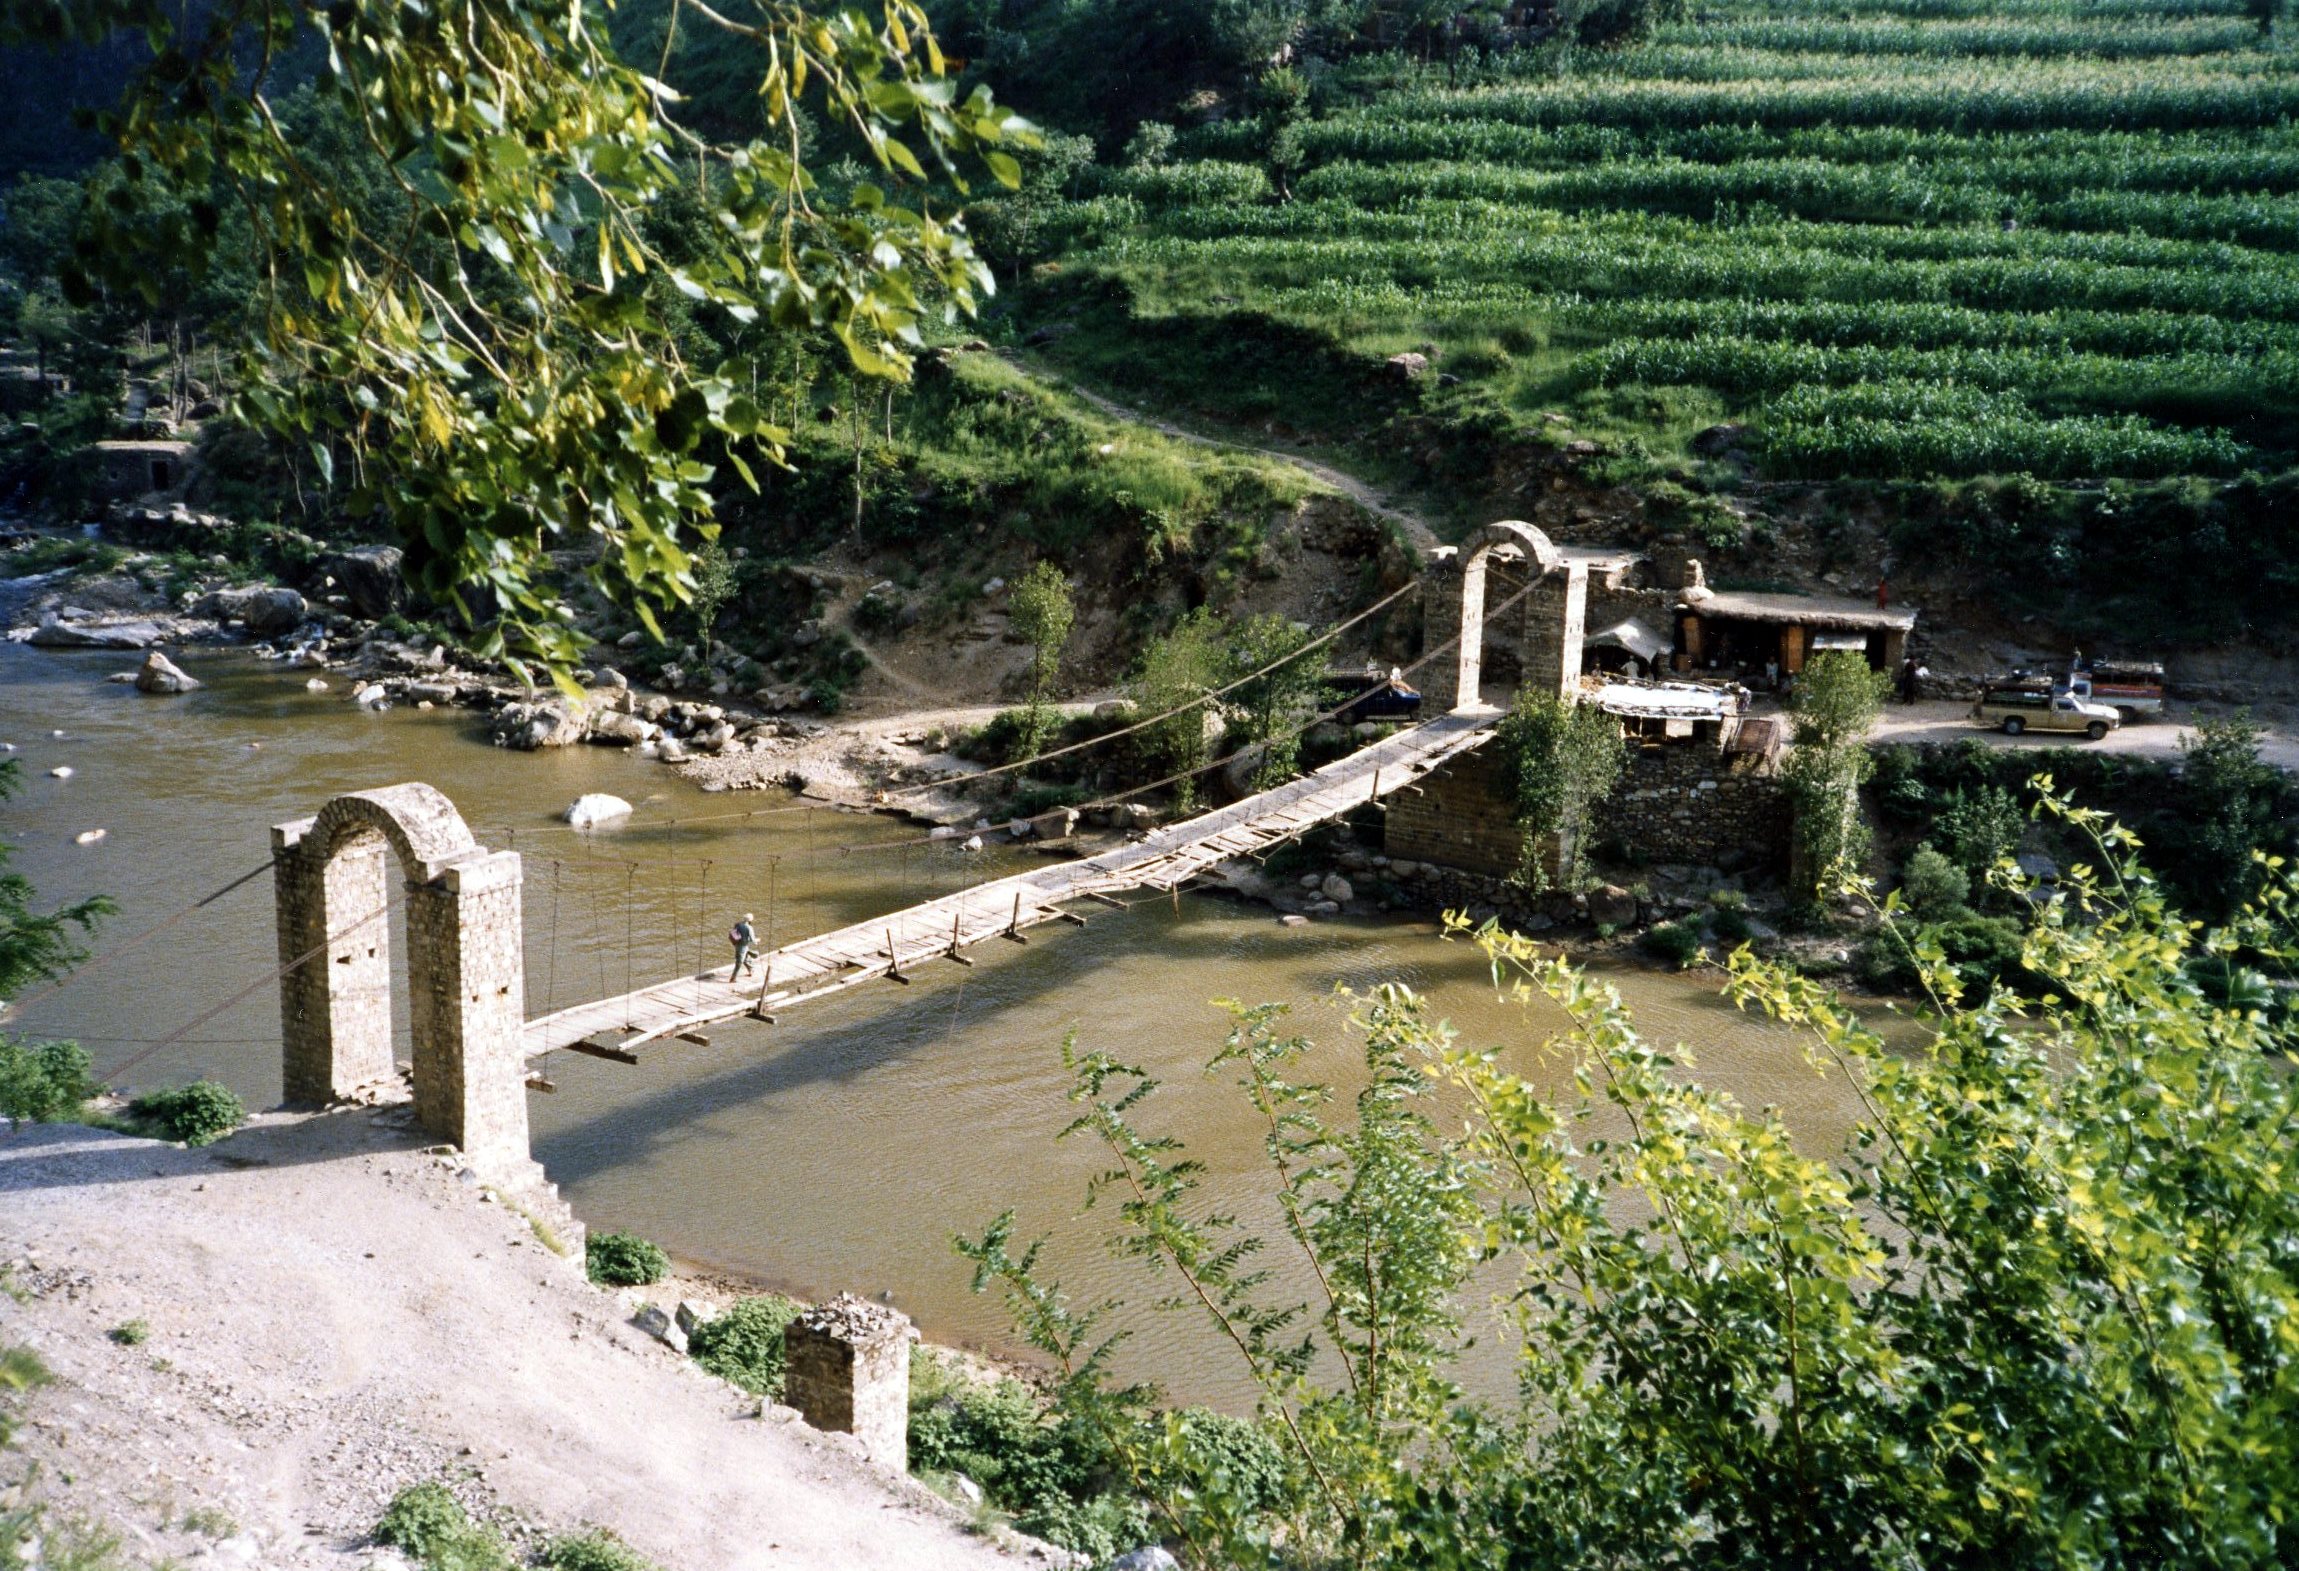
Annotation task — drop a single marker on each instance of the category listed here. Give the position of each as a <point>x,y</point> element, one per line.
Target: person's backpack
<point>734,934</point>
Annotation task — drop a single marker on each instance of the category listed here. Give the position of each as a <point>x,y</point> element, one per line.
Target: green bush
<point>131,1333</point>
<point>623,1260</point>
<point>744,1345</point>
<point>430,1524</point>
<point>1979,828</point>
<point>1675,942</point>
<point>1236,1453</point>
<point>1932,885</point>
<point>43,1082</point>
<point>595,1550</point>
<point>198,1114</point>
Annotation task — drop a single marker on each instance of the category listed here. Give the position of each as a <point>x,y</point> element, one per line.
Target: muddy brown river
<point>839,1149</point>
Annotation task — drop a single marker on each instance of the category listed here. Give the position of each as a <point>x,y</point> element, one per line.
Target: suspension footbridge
<point>942,929</point>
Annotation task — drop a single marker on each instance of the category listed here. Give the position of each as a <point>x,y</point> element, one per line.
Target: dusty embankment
<point>333,1315</point>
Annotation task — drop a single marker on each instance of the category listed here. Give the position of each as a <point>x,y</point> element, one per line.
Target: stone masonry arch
<point>465,966</point>
<point>1552,616</point>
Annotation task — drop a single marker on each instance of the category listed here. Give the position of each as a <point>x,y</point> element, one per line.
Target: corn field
<point>1898,236</point>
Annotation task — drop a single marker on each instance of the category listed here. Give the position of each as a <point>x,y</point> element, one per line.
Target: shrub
<point>43,1082</point>
<point>1979,828</point>
<point>1237,1453</point>
<point>131,1333</point>
<point>623,1260</point>
<point>1932,885</point>
<point>1050,1475</point>
<point>1985,950</point>
<point>1675,942</point>
<point>596,1550</point>
<point>198,1114</point>
<point>429,1523</point>
<point>744,1345</point>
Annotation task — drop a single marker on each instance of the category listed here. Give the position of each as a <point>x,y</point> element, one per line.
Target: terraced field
<point>1899,237</point>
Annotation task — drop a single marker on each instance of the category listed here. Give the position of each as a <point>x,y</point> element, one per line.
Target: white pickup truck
<point>2015,710</point>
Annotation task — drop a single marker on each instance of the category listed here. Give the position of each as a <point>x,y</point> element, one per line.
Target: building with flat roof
<point>1734,630</point>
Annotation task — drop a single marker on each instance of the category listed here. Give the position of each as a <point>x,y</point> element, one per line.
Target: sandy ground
<point>1945,721</point>
<point>335,1314</point>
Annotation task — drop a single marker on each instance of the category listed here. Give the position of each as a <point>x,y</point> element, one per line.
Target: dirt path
<point>1947,721</point>
<point>1415,526</point>
<point>334,1315</point>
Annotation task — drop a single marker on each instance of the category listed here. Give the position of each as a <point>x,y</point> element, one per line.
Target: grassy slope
<point>1902,240</point>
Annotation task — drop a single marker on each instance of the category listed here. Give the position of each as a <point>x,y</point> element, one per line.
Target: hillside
<point>1889,248</point>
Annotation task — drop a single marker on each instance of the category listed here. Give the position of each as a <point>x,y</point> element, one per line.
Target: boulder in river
<point>369,578</point>
<point>54,634</point>
<point>162,675</point>
<point>264,610</point>
<point>61,772</point>
<point>553,723</point>
<point>1336,889</point>
<point>594,808</point>
<point>617,729</point>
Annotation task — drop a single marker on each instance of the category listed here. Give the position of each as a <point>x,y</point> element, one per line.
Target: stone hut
<point>143,468</point>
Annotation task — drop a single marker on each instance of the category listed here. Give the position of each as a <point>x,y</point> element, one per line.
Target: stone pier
<point>846,1368</point>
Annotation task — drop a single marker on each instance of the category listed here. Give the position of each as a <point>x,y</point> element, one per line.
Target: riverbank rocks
<point>594,808</point>
<point>618,729</point>
<point>162,675</point>
<point>1337,889</point>
<point>1612,906</point>
<point>656,1322</point>
<point>57,633</point>
<point>369,578</point>
<point>267,611</point>
<point>530,727</point>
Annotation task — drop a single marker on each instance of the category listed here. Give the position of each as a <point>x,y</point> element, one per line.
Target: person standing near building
<point>744,937</point>
<point>1908,674</point>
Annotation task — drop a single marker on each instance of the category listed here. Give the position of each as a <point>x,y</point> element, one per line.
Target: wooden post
<point>1014,926</point>
<point>894,961</point>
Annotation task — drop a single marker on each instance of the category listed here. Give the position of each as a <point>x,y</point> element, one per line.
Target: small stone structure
<point>465,966</point>
<point>846,1367</point>
<point>143,468</point>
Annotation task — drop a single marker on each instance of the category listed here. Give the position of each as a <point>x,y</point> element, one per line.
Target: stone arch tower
<point>465,966</point>
<point>1553,616</point>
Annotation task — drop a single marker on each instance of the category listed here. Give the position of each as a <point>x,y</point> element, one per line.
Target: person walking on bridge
<point>744,937</point>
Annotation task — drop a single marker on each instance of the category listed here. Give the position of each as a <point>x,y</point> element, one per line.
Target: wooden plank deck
<point>942,929</point>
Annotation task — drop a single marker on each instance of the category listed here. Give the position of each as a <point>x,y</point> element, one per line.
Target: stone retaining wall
<point>1684,802</point>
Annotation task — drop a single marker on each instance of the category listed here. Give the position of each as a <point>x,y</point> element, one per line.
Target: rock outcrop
<point>162,675</point>
<point>369,579</point>
<point>528,727</point>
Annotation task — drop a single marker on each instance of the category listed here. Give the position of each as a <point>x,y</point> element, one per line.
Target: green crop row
<point>1607,265</point>
<point>1762,70</point>
<point>2120,37</point>
<point>1908,429</point>
<point>1812,188</point>
<point>1997,96</point>
<point>2075,10</point>
<point>2175,161</point>
<point>2173,384</point>
<point>1382,305</point>
<point>1500,228</point>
